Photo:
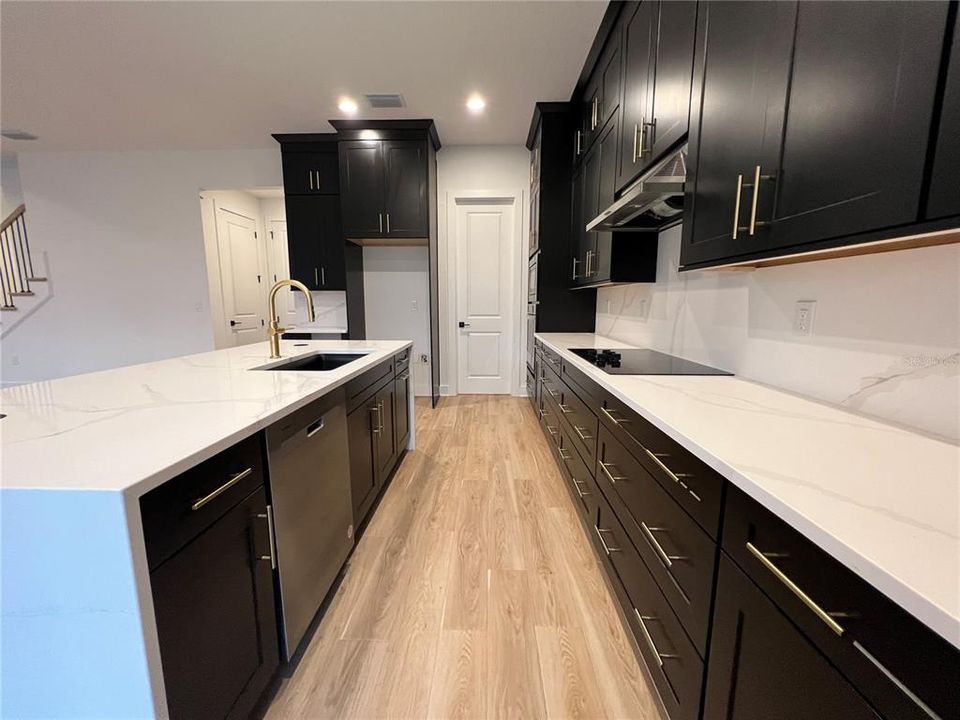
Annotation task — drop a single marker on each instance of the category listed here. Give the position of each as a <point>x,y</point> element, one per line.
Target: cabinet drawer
<point>180,509</point>
<point>401,361</point>
<point>581,421</point>
<point>695,486</point>
<point>578,381</point>
<point>579,478</point>
<point>553,360</point>
<point>551,382</point>
<point>678,553</point>
<point>549,422</point>
<point>674,664</point>
<point>869,638</point>
<point>360,388</point>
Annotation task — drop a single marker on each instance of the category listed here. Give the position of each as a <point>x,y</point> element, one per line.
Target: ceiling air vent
<point>385,100</point>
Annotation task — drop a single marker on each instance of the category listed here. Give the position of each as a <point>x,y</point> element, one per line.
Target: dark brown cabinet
<point>944,197</point>
<point>384,188</point>
<point>857,122</point>
<point>378,429</point>
<point>311,173</point>
<point>603,258</point>
<point>602,94</point>
<point>812,123</point>
<point>212,584</point>
<point>741,71</point>
<point>658,63</point>
<point>762,667</point>
<point>315,242</point>
<point>402,416</point>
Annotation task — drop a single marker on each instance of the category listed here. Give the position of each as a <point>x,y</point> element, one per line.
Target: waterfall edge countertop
<point>132,428</point>
<point>882,500</point>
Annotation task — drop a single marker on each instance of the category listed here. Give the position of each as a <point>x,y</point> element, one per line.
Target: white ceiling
<point>162,75</point>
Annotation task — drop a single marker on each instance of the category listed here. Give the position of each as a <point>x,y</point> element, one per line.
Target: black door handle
<point>235,322</point>
<point>463,324</point>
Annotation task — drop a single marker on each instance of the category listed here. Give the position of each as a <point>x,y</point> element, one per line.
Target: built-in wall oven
<point>532,303</point>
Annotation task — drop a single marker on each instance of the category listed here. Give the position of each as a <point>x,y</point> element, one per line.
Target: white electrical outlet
<point>803,317</point>
<point>414,306</point>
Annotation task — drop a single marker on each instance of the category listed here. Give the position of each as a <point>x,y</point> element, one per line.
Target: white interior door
<point>241,273</point>
<point>278,258</point>
<point>485,317</point>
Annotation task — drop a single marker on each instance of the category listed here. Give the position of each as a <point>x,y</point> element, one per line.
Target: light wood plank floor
<point>473,592</point>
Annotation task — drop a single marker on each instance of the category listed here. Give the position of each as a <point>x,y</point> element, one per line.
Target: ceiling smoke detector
<point>17,135</point>
<point>385,100</point>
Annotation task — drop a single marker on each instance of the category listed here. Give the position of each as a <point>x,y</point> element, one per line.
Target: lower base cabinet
<point>215,613</point>
<point>378,427</point>
<point>762,667</point>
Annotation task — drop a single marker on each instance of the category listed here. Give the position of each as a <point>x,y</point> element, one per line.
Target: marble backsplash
<point>885,340</point>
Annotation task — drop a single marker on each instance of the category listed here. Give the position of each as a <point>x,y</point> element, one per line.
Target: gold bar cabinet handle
<point>736,207</point>
<point>234,479</point>
<point>756,194</point>
<point>795,589</point>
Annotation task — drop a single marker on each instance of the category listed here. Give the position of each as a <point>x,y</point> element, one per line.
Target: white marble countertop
<point>132,428</point>
<point>882,500</point>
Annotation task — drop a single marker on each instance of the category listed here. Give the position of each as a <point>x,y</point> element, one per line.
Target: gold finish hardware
<point>636,131</point>
<point>579,432</point>
<point>376,428</point>
<point>607,549</point>
<point>611,417</point>
<point>388,223</point>
<point>564,409</point>
<point>643,127</point>
<point>736,207</point>
<point>310,174</point>
<point>552,430</point>
<point>234,479</point>
<point>274,331</point>
<point>795,589</point>
<point>606,471</point>
<point>651,538</point>
<point>756,193</point>
<point>576,485</point>
<point>575,263</point>
<point>562,456</point>
<point>649,639</point>
<point>579,135</point>
<point>272,557</point>
<point>380,218</point>
<point>658,461</point>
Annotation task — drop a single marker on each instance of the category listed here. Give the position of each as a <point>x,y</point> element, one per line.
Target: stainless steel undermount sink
<point>320,361</point>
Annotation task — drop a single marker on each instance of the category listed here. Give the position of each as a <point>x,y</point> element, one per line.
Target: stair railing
<point>16,261</point>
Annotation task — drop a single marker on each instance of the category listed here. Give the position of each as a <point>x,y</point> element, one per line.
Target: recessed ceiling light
<point>347,106</point>
<point>476,103</point>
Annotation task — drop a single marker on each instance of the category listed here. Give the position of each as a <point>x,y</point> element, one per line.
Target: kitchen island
<point>79,453</point>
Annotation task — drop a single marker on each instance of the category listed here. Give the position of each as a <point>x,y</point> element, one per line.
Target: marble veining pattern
<point>881,499</point>
<point>131,428</point>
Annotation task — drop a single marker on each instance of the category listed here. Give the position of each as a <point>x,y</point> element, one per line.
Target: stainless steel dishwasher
<point>313,513</point>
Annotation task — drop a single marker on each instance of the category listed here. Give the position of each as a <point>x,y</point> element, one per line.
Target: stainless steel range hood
<point>653,202</point>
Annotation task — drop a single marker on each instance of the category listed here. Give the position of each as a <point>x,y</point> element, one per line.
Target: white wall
<point>11,194</point>
<point>397,302</point>
<point>478,167</point>
<point>126,259</point>
<point>886,336</point>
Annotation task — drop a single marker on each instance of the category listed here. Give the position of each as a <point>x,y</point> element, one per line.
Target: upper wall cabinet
<point>811,122</point>
<point>658,43</point>
<point>384,188</point>
<point>311,173</point>
<point>944,198</point>
<point>602,94</point>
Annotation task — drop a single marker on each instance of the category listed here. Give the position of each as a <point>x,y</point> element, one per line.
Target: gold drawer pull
<point>649,639</point>
<point>222,489</point>
<point>606,548</point>
<point>582,435</point>
<point>611,417</point>
<point>795,589</point>
<point>606,471</point>
<point>658,548</point>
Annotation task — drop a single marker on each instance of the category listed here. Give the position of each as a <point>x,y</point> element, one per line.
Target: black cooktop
<point>643,362</point>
